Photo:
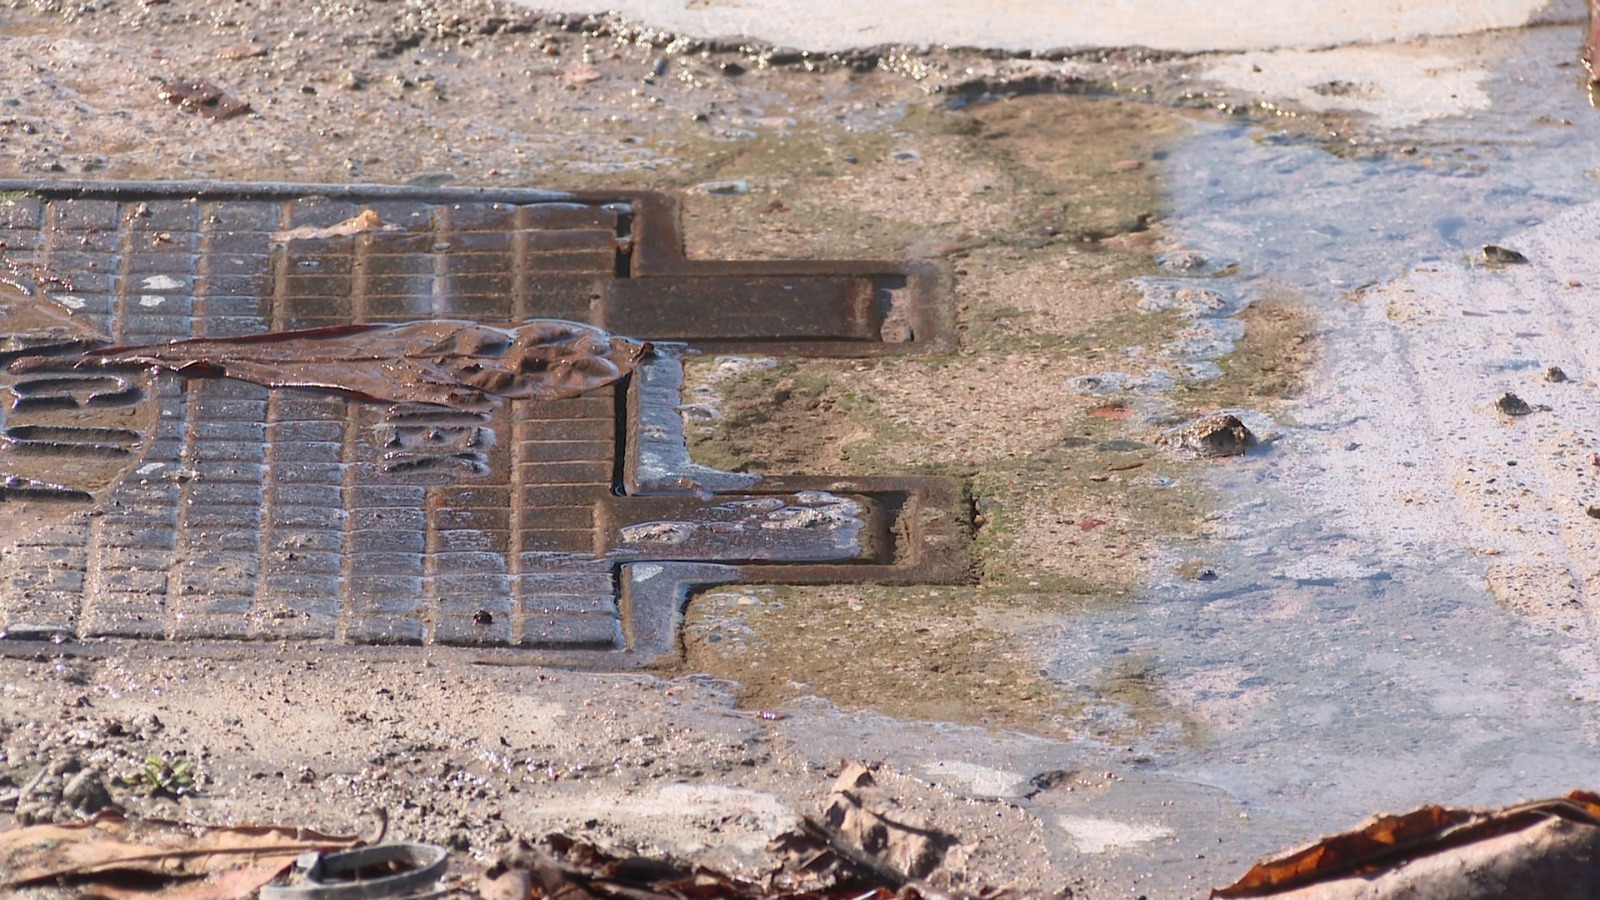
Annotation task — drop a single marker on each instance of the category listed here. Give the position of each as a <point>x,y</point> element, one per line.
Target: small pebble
<point>1218,434</point>
<point>1512,405</point>
<point>724,188</point>
<point>1502,256</point>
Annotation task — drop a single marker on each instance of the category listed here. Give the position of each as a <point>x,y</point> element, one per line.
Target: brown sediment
<point>1269,365</point>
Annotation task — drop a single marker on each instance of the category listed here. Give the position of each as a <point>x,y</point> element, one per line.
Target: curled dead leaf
<point>864,814</point>
<point>113,856</point>
<point>365,221</point>
<point>1543,849</point>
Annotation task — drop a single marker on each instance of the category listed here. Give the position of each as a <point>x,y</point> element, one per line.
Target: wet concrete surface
<point>1166,667</point>
<point>1355,652</point>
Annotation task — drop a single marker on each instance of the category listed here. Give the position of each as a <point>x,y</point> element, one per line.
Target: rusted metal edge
<point>917,529</point>
<point>930,529</point>
<point>659,252</point>
<point>930,533</point>
<point>924,319</point>
<point>244,650</point>
<point>288,190</point>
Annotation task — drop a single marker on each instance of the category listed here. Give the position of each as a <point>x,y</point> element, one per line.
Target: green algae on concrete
<point>1269,363</point>
<point>917,652</point>
<point>794,418</point>
<point>1061,531</point>
<point>1083,162</point>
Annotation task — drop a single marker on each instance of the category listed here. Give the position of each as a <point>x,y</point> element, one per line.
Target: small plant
<point>163,776</point>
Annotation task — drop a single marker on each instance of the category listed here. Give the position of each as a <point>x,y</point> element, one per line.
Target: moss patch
<point>917,652</point>
<point>1084,161</point>
<point>797,418</point>
<point>1269,364</point>
<point>1039,206</point>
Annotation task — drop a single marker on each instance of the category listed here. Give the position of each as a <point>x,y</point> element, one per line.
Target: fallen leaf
<point>1388,843</point>
<point>229,884</point>
<point>365,221</point>
<point>559,866</point>
<point>122,858</point>
<point>441,362</point>
<point>864,814</point>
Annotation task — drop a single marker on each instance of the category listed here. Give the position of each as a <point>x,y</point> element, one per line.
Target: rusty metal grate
<point>151,506</point>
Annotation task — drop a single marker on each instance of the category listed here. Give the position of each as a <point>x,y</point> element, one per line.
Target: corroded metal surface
<point>142,504</point>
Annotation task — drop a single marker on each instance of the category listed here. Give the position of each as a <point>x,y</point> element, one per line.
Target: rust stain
<point>1113,411</point>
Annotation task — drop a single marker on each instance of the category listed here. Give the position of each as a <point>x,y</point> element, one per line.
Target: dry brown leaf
<point>363,222</point>
<point>1507,836</point>
<point>861,812</point>
<point>563,867</point>
<point>443,362</point>
<point>190,862</point>
<point>229,884</point>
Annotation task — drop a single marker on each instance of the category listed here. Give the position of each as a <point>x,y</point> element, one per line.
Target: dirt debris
<point>1509,404</point>
<point>863,846</point>
<point>1495,255</point>
<point>864,814</point>
<point>204,98</point>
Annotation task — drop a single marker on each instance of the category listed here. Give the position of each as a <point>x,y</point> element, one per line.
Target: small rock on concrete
<point>1511,405</point>
<point>1215,435</point>
<point>1495,255</point>
<point>86,792</point>
<point>724,188</point>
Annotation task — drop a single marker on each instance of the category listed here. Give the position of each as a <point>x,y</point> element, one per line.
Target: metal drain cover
<point>148,505</point>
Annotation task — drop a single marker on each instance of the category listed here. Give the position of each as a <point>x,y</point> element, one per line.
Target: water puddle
<point>1347,656</point>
